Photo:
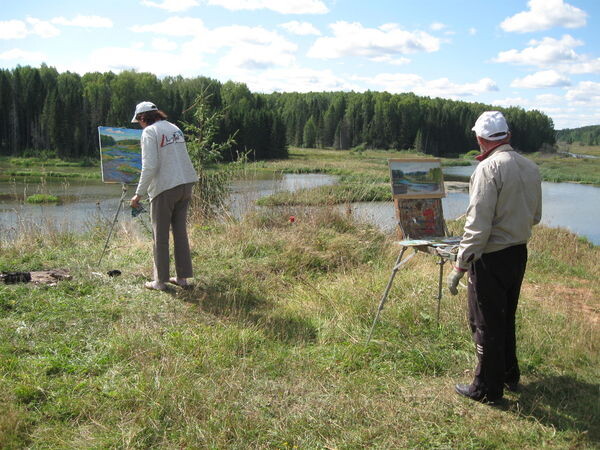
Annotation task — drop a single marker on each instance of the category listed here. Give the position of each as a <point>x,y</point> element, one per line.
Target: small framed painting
<point>416,178</point>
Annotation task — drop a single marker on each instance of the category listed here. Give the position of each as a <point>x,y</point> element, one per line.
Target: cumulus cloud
<point>293,79</point>
<point>544,53</point>
<point>545,14</point>
<point>543,79</point>
<point>22,56</point>
<point>163,45</point>
<point>437,26</point>
<point>138,58</point>
<point>13,29</point>
<point>84,21</point>
<point>442,87</point>
<point>171,5</point>
<point>280,6</point>
<point>173,26</point>
<point>300,28</point>
<point>585,92</point>
<point>352,39</point>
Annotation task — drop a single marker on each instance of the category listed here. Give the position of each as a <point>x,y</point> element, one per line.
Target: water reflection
<point>572,206</point>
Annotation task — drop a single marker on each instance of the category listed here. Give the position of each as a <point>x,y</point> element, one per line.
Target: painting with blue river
<point>120,154</point>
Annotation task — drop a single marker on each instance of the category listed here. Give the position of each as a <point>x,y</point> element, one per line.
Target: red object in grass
<point>292,219</point>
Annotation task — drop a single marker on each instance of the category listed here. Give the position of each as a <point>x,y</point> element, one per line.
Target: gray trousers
<point>168,210</point>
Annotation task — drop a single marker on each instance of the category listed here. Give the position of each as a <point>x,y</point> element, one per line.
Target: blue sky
<point>537,54</point>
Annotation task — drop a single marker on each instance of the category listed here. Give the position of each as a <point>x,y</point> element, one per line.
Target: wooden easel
<point>421,226</point>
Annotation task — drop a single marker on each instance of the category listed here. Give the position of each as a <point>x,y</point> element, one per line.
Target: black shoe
<point>513,387</point>
<point>466,390</point>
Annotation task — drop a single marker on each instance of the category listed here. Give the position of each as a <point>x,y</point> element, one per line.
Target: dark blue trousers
<point>493,294</point>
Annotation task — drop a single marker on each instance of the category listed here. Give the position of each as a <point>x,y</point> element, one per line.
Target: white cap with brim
<point>491,125</point>
<point>142,108</point>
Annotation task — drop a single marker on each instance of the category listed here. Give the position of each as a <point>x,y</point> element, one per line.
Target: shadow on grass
<point>229,299</point>
<point>564,403</point>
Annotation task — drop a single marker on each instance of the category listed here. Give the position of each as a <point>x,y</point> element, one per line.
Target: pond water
<point>572,206</point>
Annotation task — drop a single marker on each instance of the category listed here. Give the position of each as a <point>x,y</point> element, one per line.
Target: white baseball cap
<point>491,125</point>
<point>143,107</point>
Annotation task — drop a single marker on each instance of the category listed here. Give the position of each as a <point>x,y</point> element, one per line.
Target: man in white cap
<point>167,177</point>
<point>505,202</point>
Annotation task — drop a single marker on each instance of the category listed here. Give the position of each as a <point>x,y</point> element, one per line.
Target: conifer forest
<point>47,112</point>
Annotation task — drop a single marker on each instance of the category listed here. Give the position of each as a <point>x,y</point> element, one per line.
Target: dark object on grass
<point>15,277</point>
<point>114,273</point>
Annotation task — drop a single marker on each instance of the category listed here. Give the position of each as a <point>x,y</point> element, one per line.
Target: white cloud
<point>545,14</point>
<point>293,79</point>
<point>543,79</point>
<point>42,28</point>
<point>173,26</point>
<point>472,31</point>
<point>585,92</point>
<point>544,53</point>
<point>437,26</point>
<point>137,58</point>
<point>390,60</point>
<point>13,29</point>
<point>163,45</point>
<point>22,56</point>
<point>442,87</point>
<point>300,28</point>
<point>171,5</point>
<point>280,6</point>
<point>84,21</point>
<point>352,39</point>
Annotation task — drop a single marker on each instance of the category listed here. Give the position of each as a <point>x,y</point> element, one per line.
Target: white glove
<point>453,279</point>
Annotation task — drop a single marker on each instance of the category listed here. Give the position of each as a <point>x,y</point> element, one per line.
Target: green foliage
<point>43,198</point>
<point>589,135</point>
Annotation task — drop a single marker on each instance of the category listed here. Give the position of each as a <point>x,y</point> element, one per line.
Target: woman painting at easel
<point>167,177</point>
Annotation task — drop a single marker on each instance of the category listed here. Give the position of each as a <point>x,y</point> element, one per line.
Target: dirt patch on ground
<point>581,300</point>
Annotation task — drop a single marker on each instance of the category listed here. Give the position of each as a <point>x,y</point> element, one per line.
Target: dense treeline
<point>381,120</point>
<point>43,110</point>
<point>585,135</point>
<point>58,113</point>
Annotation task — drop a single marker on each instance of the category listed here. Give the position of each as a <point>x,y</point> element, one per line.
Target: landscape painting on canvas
<point>120,154</point>
<point>416,178</point>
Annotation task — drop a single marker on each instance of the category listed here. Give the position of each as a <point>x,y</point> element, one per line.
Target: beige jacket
<point>505,202</point>
<point>165,160</point>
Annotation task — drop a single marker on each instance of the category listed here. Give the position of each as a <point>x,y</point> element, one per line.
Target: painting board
<point>416,178</point>
<point>120,154</point>
<point>420,218</point>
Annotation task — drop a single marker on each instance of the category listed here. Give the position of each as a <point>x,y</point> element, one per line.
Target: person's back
<point>518,205</point>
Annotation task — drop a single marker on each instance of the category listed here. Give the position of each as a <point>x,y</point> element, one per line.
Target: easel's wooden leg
<point>399,263</point>
<point>441,263</point>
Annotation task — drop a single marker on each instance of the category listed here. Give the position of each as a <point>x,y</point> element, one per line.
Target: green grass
<point>42,198</point>
<point>40,169</point>
<point>268,349</point>
<point>558,168</point>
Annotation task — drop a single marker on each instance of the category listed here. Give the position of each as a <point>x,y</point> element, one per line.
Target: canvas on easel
<point>417,189</point>
<point>120,154</point>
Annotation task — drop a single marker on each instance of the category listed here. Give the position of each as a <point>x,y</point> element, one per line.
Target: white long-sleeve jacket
<point>165,160</point>
<point>505,195</point>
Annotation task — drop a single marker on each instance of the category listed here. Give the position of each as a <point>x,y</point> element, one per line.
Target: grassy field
<point>268,349</point>
<point>39,169</point>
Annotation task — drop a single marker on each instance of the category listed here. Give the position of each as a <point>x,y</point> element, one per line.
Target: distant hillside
<point>584,135</point>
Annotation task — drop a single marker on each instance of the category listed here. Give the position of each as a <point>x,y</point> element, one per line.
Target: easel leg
<point>441,263</point>
<point>124,192</point>
<point>399,262</point>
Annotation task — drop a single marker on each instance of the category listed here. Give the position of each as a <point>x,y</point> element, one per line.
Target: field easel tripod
<point>112,226</point>
<point>421,226</point>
